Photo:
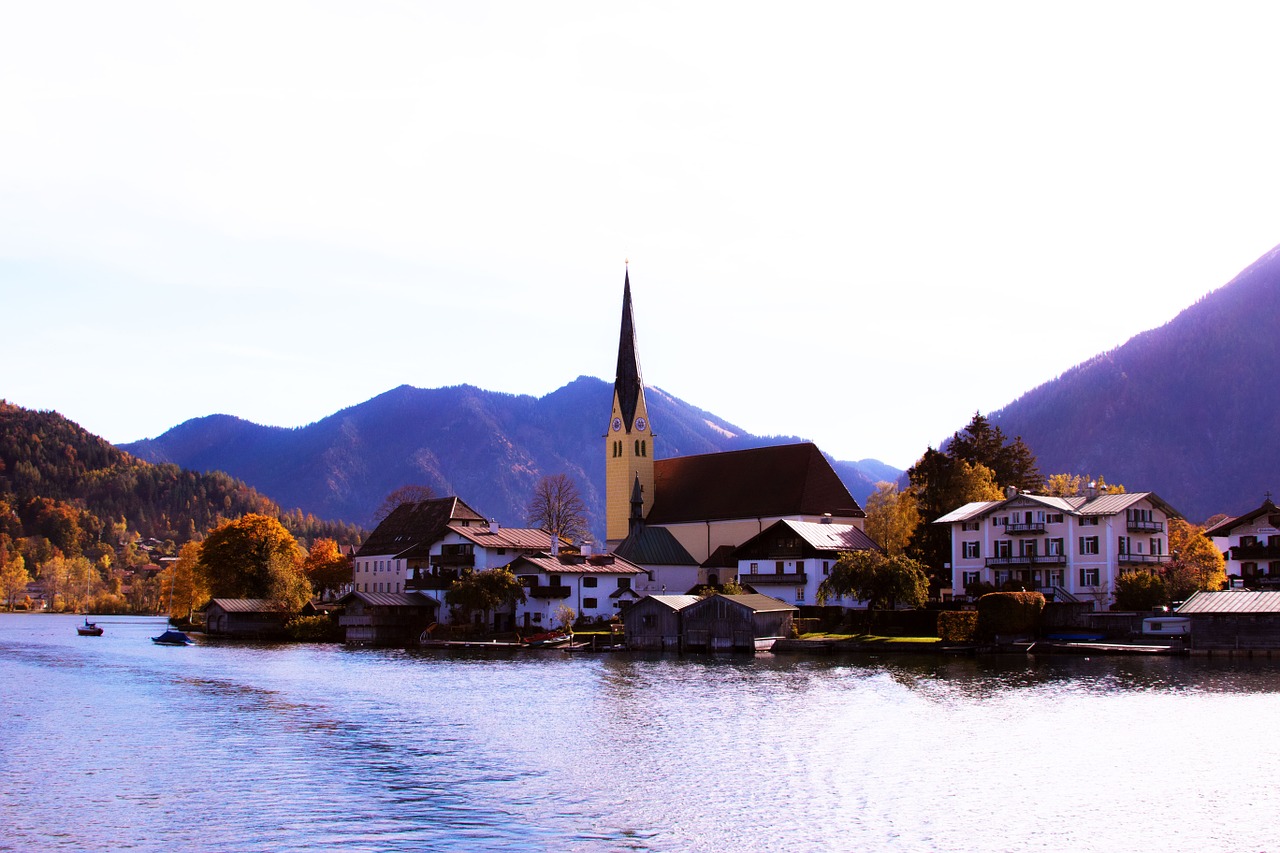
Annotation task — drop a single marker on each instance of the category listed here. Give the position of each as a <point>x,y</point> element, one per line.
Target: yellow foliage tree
<point>892,516</point>
<point>1194,563</point>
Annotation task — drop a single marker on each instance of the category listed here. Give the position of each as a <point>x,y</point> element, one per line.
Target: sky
<point>854,222</point>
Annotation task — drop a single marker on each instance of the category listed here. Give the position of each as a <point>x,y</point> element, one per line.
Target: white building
<point>594,586</point>
<point>1251,545</point>
<point>401,543</point>
<point>789,559</point>
<point>1072,549</point>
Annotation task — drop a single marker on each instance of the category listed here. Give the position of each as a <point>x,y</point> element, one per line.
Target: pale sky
<point>854,222</point>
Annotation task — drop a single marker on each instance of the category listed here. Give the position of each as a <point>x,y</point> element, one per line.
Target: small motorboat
<point>549,639</point>
<point>89,629</point>
<point>172,637</point>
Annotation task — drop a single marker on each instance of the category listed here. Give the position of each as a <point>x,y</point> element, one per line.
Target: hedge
<point>1009,613</point>
<point>958,626</point>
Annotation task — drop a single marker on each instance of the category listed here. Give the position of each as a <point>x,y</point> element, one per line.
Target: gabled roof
<point>1113,504</point>
<point>1224,527</point>
<point>243,605</point>
<point>506,537</point>
<point>1231,601</point>
<point>826,538</point>
<point>721,558</point>
<point>390,599</point>
<point>754,601</point>
<point>673,602</point>
<point>763,482</point>
<point>653,546</point>
<point>412,528</point>
<point>574,564</point>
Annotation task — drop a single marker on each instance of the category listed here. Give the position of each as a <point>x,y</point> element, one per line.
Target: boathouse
<point>1233,619</point>
<point>654,622</point>
<point>735,622</point>
<point>257,618</point>
<point>386,618</point>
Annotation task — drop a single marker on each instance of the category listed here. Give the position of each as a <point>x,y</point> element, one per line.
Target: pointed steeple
<point>627,384</point>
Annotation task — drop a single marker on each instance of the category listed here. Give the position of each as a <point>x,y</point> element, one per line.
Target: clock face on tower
<point>617,424</point>
<point>640,424</point>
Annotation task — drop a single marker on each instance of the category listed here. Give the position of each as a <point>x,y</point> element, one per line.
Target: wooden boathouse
<point>735,622</point>
<point>386,618</point>
<point>654,622</point>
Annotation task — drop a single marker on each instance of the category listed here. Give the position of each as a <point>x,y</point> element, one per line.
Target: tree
<point>182,585</point>
<point>1070,485</point>
<point>939,485</point>
<point>1140,591</point>
<point>557,507</point>
<point>1012,462</point>
<point>13,579</point>
<point>254,557</point>
<point>484,591</point>
<point>883,581</point>
<point>892,517</point>
<point>1194,562</point>
<point>328,569</point>
<point>403,495</point>
<point>565,616</point>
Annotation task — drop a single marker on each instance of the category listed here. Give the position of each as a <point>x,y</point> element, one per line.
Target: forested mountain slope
<point>487,448</point>
<point>1189,410</point>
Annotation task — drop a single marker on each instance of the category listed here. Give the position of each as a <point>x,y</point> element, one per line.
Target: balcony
<point>1257,551</point>
<point>548,591</point>
<point>1142,559</point>
<point>794,579</point>
<point>1142,526</point>
<point>1049,560</point>
<point>1013,560</point>
<point>1025,527</point>
<point>453,561</point>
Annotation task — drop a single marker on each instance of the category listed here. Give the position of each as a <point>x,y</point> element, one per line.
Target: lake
<point>113,743</point>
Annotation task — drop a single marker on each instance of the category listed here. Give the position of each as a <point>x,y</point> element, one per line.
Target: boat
<point>172,637</point>
<point>765,644</point>
<point>89,629</point>
<point>547,640</point>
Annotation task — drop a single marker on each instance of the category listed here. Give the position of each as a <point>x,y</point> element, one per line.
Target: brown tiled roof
<point>507,537</point>
<point>575,564</point>
<point>411,528</point>
<point>789,479</point>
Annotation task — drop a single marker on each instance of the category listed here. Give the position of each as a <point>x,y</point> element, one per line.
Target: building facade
<point>789,560</point>
<point>1250,544</point>
<point>595,587</point>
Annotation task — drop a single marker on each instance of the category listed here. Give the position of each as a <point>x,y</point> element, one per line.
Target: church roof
<point>411,528</point>
<point>627,383</point>
<point>653,546</point>
<point>784,480</point>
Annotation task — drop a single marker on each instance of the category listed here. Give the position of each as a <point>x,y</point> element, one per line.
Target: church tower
<point>628,443</point>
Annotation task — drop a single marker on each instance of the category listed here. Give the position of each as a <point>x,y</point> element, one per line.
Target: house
<point>709,500</point>
<point>1251,545</point>
<point>735,622</point>
<point>594,586</point>
<point>790,559</point>
<point>1233,619</point>
<point>654,623</point>
<point>462,548</point>
<point>258,618</point>
<point>1071,549</point>
<point>401,543</point>
<point>395,619</point>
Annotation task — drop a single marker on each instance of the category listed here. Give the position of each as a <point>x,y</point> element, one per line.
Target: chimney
<point>826,518</point>
<point>1010,491</point>
<point>586,547</point>
<point>494,526</point>
<point>555,545</point>
<point>1091,490</point>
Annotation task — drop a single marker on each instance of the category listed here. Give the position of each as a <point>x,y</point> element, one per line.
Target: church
<point>683,517</point>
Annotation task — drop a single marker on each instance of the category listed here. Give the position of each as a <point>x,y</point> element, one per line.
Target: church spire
<point>627,384</point>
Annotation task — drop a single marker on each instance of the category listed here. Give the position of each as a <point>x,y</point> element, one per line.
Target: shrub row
<point>958,626</point>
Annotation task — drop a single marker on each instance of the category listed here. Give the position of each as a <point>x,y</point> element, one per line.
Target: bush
<point>958,626</point>
<point>313,629</point>
<point>1009,613</point>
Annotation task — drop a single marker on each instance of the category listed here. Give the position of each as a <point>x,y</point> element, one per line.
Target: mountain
<point>488,448</point>
<point>1188,410</point>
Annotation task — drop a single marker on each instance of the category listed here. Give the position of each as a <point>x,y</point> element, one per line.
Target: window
<point>590,583</point>
<point>970,525</point>
<point>1248,541</point>
<point>1157,546</point>
<point>1053,547</point>
<point>1248,569</point>
<point>970,550</point>
<point>1122,545</point>
<point>588,604</point>
<point>1054,518</point>
<point>502,552</point>
<point>553,580</point>
<point>826,567</point>
<point>1088,577</point>
<point>537,617</point>
<point>648,620</point>
<point>624,583</point>
<point>777,567</point>
<point>1273,568</point>
<point>755,567</point>
<point>799,593</point>
<point>1027,548</point>
<point>1088,544</point>
<point>1004,547</point>
<point>1089,521</point>
<point>968,579</point>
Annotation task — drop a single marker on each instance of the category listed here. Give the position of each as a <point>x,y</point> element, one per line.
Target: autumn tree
<point>892,517</point>
<point>558,508</point>
<point>1140,591</point>
<point>254,557</point>
<point>1011,462</point>
<point>182,584</point>
<point>1071,485</point>
<point>883,581</point>
<point>484,591</point>
<point>13,579</point>
<point>328,569</point>
<point>1194,563</point>
<point>940,484</point>
<point>403,495</point>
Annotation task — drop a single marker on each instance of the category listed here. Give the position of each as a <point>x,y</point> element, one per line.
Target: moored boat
<point>172,637</point>
<point>89,629</point>
<point>549,639</point>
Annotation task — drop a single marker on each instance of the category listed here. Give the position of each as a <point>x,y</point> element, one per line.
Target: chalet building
<point>1250,543</point>
<point>596,587</point>
<point>244,617</point>
<point>710,500</point>
<point>735,622</point>
<point>1071,549</point>
<point>468,548</point>
<point>401,543</point>
<point>395,619</point>
<point>654,623</point>
<point>789,559</point>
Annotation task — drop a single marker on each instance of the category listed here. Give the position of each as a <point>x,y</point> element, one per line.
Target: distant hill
<point>487,448</point>
<point>1190,410</point>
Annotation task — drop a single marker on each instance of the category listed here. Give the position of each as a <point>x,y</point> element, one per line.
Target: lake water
<point>113,743</point>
